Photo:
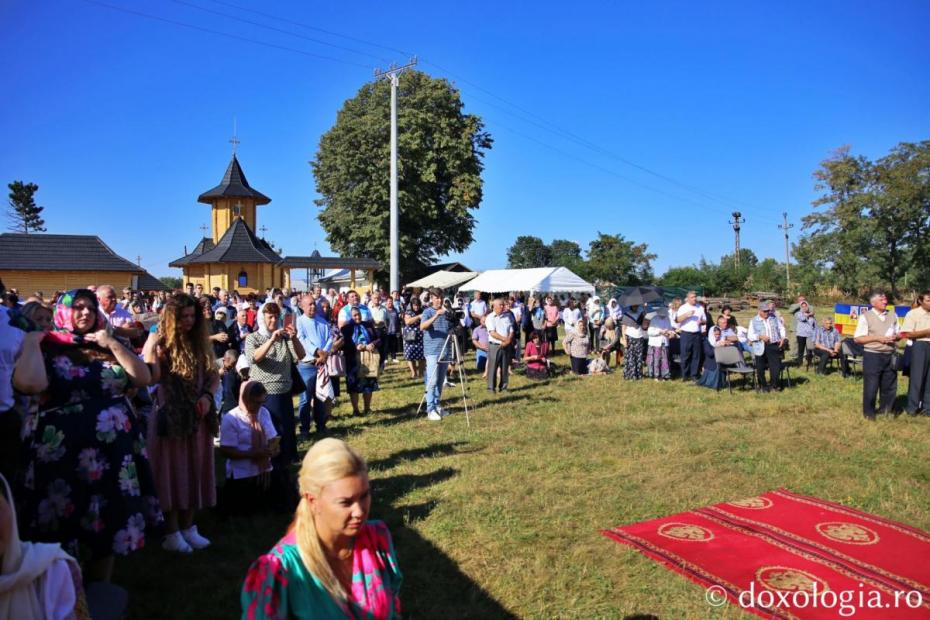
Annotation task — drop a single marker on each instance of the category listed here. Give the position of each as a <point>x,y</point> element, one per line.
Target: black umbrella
<point>640,295</point>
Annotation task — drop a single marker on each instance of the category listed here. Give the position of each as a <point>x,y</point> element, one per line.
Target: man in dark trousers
<point>877,331</point>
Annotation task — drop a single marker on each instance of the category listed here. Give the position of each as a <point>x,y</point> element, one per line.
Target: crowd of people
<point>112,411</point>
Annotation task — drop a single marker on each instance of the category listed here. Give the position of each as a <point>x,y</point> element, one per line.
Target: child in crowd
<point>230,381</point>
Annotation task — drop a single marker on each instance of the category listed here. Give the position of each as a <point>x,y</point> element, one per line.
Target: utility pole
<point>786,227</point>
<point>393,74</point>
<point>736,221</point>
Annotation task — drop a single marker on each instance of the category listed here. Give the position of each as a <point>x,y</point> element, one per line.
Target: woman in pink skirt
<point>181,431</point>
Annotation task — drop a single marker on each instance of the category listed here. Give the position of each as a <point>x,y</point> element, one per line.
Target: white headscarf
<point>22,576</point>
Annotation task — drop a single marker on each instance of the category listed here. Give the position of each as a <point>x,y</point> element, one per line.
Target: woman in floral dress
<point>88,483</point>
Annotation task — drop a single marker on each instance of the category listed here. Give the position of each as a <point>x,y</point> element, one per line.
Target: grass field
<point>502,519</point>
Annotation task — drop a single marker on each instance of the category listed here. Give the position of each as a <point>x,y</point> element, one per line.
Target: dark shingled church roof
<point>233,185</point>
<point>42,252</point>
<point>237,245</point>
<point>205,245</point>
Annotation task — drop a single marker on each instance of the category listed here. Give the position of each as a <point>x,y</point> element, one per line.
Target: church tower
<point>234,257</point>
<point>232,198</point>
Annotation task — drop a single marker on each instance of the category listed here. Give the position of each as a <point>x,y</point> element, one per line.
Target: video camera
<point>455,314</point>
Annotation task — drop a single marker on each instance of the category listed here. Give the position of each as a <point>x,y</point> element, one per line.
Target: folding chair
<point>851,358</point>
<point>731,360</point>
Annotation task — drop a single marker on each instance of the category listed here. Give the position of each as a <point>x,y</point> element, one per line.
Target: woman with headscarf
<point>247,441</point>
<point>413,339</point>
<point>332,562</point>
<point>578,346</point>
<point>38,581</point>
<point>608,338</point>
<point>88,482</point>
<point>359,338</point>
<point>634,343</point>
<point>185,421</point>
<point>272,352</point>
<point>659,332</point>
<point>720,335</point>
<point>615,311</point>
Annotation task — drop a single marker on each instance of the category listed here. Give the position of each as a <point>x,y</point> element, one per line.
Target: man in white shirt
<point>500,335</point>
<point>877,331</point>
<point>766,339</point>
<point>117,316</point>
<point>916,327</point>
<point>478,308</point>
<point>690,317</point>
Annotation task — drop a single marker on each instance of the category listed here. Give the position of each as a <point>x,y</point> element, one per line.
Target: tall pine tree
<point>25,215</point>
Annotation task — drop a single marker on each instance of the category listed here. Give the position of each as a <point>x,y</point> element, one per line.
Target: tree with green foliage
<point>611,258</point>
<point>566,254</point>
<point>25,215</point>
<point>440,150</point>
<point>171,282</point>
<point>874,227</point>
<point>527,252</point>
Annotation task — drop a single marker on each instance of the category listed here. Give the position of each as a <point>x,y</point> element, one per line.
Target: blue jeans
<point>481,360</point>
<point>308,374</point>
<point>435,377</point>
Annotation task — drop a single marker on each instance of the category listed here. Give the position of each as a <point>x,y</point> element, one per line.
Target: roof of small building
<point>43,252</point>
<point>204,245</point>
<point>233,185</point>
<point>148,282</point>
<point>331,262</point>
<point>237,245</point>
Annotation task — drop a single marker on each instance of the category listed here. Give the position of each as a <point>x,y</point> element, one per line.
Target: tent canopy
<point>542,279</point>
<point>444,279</point>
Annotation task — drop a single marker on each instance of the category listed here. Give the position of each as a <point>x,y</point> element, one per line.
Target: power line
<point>310,27</point>
<point>225,34</point>
<point>543,124</point>
<point>281,30</point>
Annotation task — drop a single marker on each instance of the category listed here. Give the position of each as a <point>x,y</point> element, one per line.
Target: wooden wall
<point>27,282</point>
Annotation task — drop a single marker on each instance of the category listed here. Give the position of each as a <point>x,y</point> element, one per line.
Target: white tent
<point>444,279</point>
<point>542,279</point>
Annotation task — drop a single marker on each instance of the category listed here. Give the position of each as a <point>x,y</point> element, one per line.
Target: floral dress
<point>88,483</point>
<point>278,584</point>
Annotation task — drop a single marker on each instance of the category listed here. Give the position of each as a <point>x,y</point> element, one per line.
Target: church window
<point>243,279</point>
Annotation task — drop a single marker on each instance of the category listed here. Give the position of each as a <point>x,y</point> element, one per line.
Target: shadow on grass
<point>401,456</point>
<point>434,586</point>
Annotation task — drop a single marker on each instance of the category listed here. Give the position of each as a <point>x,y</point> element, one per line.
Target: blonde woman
<point>333,562</point>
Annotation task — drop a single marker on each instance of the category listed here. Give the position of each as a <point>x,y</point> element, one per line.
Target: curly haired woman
<point>180,438</point>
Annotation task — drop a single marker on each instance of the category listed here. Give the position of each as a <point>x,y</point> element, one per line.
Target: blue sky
<point>123,120</point>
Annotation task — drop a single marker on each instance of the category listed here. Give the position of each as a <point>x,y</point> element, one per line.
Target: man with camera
<point>436,324</point>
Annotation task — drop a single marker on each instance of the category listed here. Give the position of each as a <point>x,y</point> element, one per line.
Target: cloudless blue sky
<point>124,120</point>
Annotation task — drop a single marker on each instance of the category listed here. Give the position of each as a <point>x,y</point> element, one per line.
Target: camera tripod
<point>451,346</point>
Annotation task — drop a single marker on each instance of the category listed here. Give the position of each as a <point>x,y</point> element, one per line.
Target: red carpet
<point>784,555</point>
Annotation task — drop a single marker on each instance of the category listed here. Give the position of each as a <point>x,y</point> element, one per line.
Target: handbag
<point>297,382</point>
<point>336,364</point>
<point>324,387</point>
<point>410,334</point>
<point>369,364</point>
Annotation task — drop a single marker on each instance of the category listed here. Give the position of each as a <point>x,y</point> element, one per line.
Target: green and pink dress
<point>279,586</point>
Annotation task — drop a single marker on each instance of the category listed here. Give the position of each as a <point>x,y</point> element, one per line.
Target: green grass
<point>502,518</point>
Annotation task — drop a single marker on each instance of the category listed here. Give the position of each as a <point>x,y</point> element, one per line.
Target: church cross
<point>234,140</point>
<point>204,228</point>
